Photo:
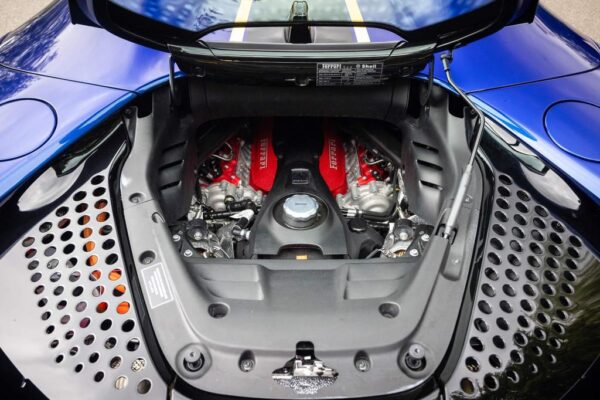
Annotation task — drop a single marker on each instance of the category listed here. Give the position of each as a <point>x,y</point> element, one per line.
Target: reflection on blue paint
<point>198,15</point>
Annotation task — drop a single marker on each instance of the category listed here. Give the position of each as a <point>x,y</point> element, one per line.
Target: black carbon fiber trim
<point>536,312</point>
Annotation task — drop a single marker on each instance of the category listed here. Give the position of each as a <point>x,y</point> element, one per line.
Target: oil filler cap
<point>300,208</point>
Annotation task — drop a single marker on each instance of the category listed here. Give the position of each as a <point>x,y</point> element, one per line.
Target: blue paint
<point>18,118</point>
<point>575,127</point>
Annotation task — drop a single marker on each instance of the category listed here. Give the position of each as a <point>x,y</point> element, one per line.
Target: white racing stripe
<point>361,32</point>
<point>237,34</point>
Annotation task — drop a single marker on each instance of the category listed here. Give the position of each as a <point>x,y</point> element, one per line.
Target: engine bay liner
<point>253,317</point>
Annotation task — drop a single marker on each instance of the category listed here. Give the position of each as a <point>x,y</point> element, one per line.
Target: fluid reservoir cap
<point>301,207</point>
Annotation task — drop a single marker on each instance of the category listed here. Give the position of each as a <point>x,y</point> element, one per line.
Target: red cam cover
<point>263,161</point>
<point>332,163</point>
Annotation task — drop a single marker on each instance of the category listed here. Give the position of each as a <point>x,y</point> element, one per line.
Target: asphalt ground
<point>583,15</point>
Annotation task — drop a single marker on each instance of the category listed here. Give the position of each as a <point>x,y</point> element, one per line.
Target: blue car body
<point>85,74</point>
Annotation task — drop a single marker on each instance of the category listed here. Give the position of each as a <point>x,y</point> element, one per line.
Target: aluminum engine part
<point>375,197</point>
<point>214,195</point>
<point>398,240</point>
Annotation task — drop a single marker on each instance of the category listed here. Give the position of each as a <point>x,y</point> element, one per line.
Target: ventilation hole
<point>47,239</point>
<point>501,216</point>
<point>99,376</point>
<point>502,324</point>
<point>554,250</point>
<point>144,386</point>
<point>128,325</point>
<point>518,232</point>
<point>514,260</point>
<point>94,357</point>
<point>520,339</point>
<point>491,274</point>
<point>555,238</point>
<point>539,223</point>
<point>102,217</point>
<point>42,302</point>
<point>102,307</point>
<point>537,235</point>
<point>49,252</point>
<point>571,264</point>
<point>63,223</point>
<point>567,288</point>
<point>575,241</point>
<point>96,180</point>
<point>78,368</point>
<point>516,246</point>
<point>506,307</point>
<point>472,364</point>
<point>68,249</point>
<point>558,328</point>
<point>539,333</point>
<point>491,382</point>
<point>33,265</point>
<point>95,275</point>
<point>69,335</point>
<point>488,290</point>
<point>91,261</point>
<point>58,290</point>
<point>476,344</point>
<point>506,180</point>
<point>59,358</point>
<point>85,322</point>
<point>547,304</point>
<point>115,274</point>
<point>537,351</point>
<point>523,321</point>
<point>569,276</point>
<point>45,227</point>
<point>105,230</point>
<point>499,230</point>
<point>61,305</point>
<point>133,344</point>
<point>36,277</point>
<point>565,301</point>
<point>116,362</point>
<point>119,290</point>
<point>511,274</point>
<point>523,196</point>
<point>495,361</point>
<point>81,207</point>
<point>30,253</point>
<point>519,219</point>
<point>55,277</point>
<point>77,291</point>
<point>496,244</point>
<point>89,246</point>
<point>109,244</point>
<point>543,318</point>
<point>493,258</point>
<point>81,306</point>
<point>503,204</point>
<point>504,191</point>
<point>106,324</point>
<point>54,344</point>
<point>110,343</point>
<point>526,305</point>
<point>98,291</point>
<point>79,196</point>
<point>529,290</point>
<point>522,208</point>
<point>62,211</point>
<point>536,248</point>
<point>100,204</point>
<point>88,340</point>
<point>484,307</point>
<point>548,289</point>
<point>112,258</point>
<point>562,314</point>
<point>555,343</point>
<point>39,289</point>
<point>573,252</point>
<point>86,233</point>
<point>532,275</point>
<point>46,315</point>
<point>551,276</point>
<point>534,261</point>
<point>71,262</point>
<point>123,307</point>
<point>83,220</point>
<point>50,329</point>
<point>99,191</point>
<point>481,325</point>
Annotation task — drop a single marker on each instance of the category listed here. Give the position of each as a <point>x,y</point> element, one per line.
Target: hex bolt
<point>187,253</point>
<point>414,252</point>
<point>425,237</point>
<point>176,238</point>
<point>247,364</point>
<point>362,364</point>
<point>193,361</point>
<point>415,358</point>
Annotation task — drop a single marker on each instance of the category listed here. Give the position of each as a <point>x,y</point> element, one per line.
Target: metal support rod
<point>172,87</point>
<point>461,192</point>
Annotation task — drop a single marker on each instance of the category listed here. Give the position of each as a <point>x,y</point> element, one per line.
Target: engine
<point>273,193</point>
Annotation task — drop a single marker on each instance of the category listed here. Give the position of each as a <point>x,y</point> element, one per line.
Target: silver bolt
<point>176,238</point>
<point>415,358</point>
<point>403,236</point>
<point>468,199</point>
<point>414,252</point>
<point>362,364</point>
<point>197,235</point>
<point>416,351</point>
<point>247,364</point>
<point>425,238</point>
<point>188,253</point>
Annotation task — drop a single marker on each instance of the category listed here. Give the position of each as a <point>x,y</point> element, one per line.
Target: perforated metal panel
<point>68,320</point>
<point>535,318</point>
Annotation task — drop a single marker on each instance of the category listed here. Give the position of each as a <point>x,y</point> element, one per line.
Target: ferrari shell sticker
<point>349,74</point>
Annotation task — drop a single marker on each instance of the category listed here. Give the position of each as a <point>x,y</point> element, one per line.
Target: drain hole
<point>505,179</point>
<point>220,310</point>
<point>539,223</point>
<point>516,356</point>
<point>512,376</point>
<point>467,386</point>
<point>523,322</point>
<point>47,238</point>
<point>514,260</point>
<point>91,261</point>
<point>95,275</point>
<point>520,339</point>
<point>33,265</point>
<point>518,232</point>
<point>541,211</point>
<point>30,253</point>
<point>98,291</point>
<point>503,204</point>
<point>49,252</point>
<point>496,244</point>
<point>537,235</point>
<point>147,257</point>
<point>522,207</point>
<point>504,192</point>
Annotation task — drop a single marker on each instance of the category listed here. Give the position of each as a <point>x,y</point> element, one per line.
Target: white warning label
<point>349,74</point>
<point>157,286</point>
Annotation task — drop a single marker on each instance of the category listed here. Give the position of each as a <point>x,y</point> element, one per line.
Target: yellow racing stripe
<point>237,34</point>
<point>361,32</point>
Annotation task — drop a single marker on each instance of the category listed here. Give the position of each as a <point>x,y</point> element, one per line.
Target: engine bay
<point>298,189</point>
